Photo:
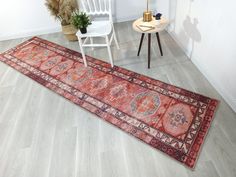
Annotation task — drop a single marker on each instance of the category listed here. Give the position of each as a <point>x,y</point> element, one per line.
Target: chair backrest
<point>97,7</point>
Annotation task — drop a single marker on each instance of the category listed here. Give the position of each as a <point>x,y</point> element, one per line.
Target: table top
<point>158,25</point>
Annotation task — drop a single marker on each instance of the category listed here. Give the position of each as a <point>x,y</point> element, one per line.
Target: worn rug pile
<point>168,118</point>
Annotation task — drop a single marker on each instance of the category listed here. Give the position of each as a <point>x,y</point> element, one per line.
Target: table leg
<point>140,44</point>
<point>159,43</point>
<point>149,49</point>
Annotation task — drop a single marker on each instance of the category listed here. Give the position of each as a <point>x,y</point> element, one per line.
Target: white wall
<point>125,10</point>
<point>207,32</point>
<point>21,18</point>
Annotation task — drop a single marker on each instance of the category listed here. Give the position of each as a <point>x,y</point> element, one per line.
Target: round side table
<point>142,27</point>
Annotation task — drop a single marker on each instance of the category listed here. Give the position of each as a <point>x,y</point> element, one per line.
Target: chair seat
<point>96,29</point>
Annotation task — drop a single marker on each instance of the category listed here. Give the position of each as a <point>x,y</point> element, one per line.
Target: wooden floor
<point>44,135</point>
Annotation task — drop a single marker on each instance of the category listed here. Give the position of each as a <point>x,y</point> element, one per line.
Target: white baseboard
<point>28,33</point>
<point>173,35</point>
<point>221,90</point>
<point>124,19</point>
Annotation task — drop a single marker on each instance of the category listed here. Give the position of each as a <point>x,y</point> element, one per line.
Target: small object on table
<point>157,16</point>
<point>147,15</point>
<point>145,28</point>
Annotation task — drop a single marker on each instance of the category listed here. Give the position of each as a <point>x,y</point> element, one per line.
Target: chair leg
<point>82,52</point>
<point>109,51</point>
<point>114,33</point>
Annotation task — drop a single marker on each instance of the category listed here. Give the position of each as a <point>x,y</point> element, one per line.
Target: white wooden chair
<point>99,28</point>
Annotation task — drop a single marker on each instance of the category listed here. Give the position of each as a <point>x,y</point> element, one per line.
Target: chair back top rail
<point>96,7</point>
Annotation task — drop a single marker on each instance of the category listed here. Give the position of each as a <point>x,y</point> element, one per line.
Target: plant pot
<point>70,32</point>
<point>83,30</point>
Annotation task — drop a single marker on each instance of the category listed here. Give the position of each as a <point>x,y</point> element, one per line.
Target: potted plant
<point>81,21</point>
<point>62,11</point>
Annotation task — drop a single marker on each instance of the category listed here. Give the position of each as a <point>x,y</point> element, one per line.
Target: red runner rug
<point>166,117</point>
